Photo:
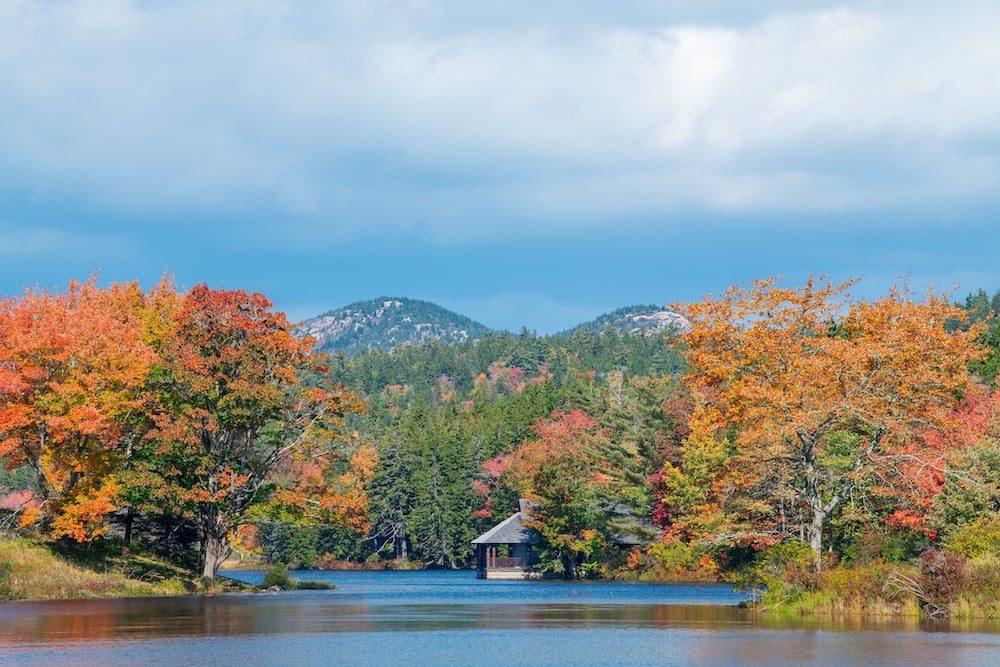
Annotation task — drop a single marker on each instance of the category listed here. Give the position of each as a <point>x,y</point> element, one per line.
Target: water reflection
<point>293,613</point>
<point>449,618</point>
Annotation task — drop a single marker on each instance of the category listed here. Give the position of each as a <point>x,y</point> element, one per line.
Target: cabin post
<point>480,561</point>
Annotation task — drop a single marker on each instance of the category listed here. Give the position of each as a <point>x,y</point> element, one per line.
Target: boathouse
<point>505,550</point>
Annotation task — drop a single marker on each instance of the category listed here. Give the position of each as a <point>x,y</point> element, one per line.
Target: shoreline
<point>35,571</point>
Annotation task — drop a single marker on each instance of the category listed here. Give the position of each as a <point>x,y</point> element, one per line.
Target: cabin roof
<point>508,531</point>
<point>511,530</point>
<point>627,531</point>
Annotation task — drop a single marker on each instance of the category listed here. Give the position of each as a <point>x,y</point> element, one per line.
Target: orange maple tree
<point>803,395</point>
<point>72,373</point>
<point>327,487</point>
<point>236,402</point>
<point>170,404</point>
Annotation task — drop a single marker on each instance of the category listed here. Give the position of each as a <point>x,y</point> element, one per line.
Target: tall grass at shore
<point>31,570</point>
<point>881,589</point>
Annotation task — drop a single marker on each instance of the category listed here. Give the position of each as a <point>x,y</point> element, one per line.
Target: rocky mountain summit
<point>387,322</point>
<point>635,320</point>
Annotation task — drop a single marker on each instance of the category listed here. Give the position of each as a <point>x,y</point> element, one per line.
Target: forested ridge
<point>787,433</point>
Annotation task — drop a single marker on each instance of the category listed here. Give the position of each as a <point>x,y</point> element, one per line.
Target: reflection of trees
<point>587,614</point>
<point>62,623</point>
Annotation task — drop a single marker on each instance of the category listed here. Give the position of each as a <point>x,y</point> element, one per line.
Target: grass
<point>32,570</point>
<point>979,597</point>
<point>883,590</point>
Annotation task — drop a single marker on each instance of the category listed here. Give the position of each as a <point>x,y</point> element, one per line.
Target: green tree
<point>441,517</point>
<point>561,472</point>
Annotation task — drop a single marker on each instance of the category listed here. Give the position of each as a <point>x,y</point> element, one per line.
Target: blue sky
<point>527,164</point>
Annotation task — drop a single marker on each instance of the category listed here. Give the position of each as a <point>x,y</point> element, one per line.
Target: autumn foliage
<point>808,400</point>
<point>806,423</point>
<point>72,370</point>
<point>163,403</point>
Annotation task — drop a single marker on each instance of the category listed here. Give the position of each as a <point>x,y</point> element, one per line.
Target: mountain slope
<point>633,319</point>
<point>387,322</point>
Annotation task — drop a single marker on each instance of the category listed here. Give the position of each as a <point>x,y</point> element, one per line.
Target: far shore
<point>33,570</point>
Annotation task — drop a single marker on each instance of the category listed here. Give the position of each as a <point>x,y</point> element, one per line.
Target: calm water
<point>451,618</point>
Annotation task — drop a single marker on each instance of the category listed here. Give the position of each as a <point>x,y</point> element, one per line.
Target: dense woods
<point>453,425</point>
<point>788,429</point>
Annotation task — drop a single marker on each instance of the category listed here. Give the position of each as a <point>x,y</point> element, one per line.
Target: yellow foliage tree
<point>804,394</point>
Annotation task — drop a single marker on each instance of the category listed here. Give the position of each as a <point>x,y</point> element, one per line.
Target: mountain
<point>634,319</point>
<point>387,322</point>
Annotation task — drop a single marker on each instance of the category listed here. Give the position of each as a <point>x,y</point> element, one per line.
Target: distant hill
<point>388,322</point>
<point>633,319</point>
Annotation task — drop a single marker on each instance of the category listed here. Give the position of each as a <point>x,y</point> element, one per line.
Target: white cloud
<point>367,118</point>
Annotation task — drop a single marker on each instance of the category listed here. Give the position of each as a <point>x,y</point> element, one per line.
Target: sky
<point>526,164</point>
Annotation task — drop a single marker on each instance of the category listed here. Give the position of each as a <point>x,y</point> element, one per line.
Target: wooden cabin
<point>505,550</point>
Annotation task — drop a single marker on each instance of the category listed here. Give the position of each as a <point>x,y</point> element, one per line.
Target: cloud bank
<point>345,120</point>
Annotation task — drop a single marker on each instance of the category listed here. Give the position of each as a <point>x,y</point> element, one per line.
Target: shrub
<point>278,576</point>
<point>883,544</point>
<point>5,571</point>
<point>857,585</point>
<point>978,538</point>
<point>982,587</point>
<point>942,575</point>
<point>675,560</point>
<point>785,570</point>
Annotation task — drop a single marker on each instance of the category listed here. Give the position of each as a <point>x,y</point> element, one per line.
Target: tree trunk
<point>569,566</point>
<point>214,548</point>
<point>819,514</point>
<point>812,489</point>
<point>402,555</point>
<point>816,534</point>
<point>129,520</point>
<point>812,497</point>
<point>215,551</point>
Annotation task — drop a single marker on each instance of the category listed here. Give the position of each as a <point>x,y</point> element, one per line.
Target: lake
<point>452,618</point>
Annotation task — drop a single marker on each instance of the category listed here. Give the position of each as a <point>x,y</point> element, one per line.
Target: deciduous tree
<point>561,471</point>
<point>73,368</point>
<point>804,394</point>
<point>236,404</point>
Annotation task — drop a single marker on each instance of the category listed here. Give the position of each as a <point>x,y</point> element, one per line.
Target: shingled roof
<point>627,530</point>
<point>510,530</point>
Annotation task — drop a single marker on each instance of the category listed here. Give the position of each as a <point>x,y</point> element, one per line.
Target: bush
<point>982,587</point>
<point>277,576</point>
<point>978,538</point>
<point>680,561</point>
<point>5,571</point>
<point>942,576</point>
<point>883,546</point>
<point>785,571</point>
